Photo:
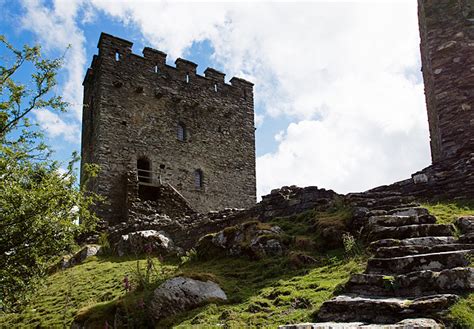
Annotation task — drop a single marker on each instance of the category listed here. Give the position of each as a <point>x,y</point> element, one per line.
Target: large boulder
<point>182,294</point>
<point>147,241</point>
<point>254,239</point>
<point>79,257</point>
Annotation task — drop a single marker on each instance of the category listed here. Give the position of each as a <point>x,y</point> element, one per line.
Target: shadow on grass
<point>247,283</point>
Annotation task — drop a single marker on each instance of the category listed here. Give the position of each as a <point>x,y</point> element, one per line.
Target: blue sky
<point>338,89</point>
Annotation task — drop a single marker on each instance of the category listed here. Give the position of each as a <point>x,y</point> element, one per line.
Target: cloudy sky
<point>338,89</point>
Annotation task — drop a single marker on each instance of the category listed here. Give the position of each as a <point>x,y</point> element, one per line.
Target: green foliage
<point>39,205</point>
<point>461,314</point>
<point>189,256</point>
<point>352,247</point>
<point>147,277</point>
<point>448,211</point>
<point>104,242</point>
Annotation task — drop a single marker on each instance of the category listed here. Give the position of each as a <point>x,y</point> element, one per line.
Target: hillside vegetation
<point>266,292</point>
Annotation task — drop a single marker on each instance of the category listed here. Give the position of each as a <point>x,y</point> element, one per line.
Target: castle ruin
<point>168,126</point>
<point>447,35</point>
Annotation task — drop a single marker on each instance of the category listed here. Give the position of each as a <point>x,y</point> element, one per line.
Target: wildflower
<point>126,283</point>
<point>148,248</point>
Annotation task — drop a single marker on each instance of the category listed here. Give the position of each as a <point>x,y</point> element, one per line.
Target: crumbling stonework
<point>168,125</point>
<point>447,52</point>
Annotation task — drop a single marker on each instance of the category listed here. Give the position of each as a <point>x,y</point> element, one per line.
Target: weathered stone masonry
<point>447,51</point>
<point>193,132</point>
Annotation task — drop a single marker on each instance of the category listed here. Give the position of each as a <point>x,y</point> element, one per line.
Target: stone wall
<point>133,106</point>
<point>442,180</point>
<point>290,200</point>
<point>447,52</point>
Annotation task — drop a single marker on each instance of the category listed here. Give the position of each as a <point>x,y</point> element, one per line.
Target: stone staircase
<point>418,270</point>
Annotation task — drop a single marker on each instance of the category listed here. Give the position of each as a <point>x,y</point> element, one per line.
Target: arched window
<point>181,131</point>
<point>117,56</point>
<point>198,179</point>
<point>144,170</point>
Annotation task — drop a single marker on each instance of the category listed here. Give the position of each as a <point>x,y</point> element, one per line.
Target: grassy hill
<point>266,292</point>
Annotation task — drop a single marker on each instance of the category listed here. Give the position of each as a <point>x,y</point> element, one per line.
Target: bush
<point>40,206</point>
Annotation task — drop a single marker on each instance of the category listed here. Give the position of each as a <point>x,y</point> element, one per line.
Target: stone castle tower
<point>447,52</point>
<point>166,125</point>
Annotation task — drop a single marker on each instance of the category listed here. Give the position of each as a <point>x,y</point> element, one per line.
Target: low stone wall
<point>449,179</point>
<point>290,200</point>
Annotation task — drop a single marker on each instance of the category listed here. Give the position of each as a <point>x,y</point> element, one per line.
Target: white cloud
<point>346,74</point>
<point>56,127</point>
<point>56,29</point>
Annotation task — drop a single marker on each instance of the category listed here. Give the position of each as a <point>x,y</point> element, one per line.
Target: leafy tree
<point>39,204</point>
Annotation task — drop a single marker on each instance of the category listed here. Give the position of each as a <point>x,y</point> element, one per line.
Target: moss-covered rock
<point>254,239</point>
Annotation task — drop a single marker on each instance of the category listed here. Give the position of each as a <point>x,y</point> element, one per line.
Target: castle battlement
<point>169,125</point>
<point>118,53</point>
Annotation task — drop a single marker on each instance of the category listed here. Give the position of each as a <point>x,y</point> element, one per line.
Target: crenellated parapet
<point>166,124</point>
<point>117,53</point>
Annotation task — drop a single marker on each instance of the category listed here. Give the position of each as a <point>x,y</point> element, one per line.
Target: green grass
<point>448,212</point>
<point>461,314</point>
<point>267,292</point>
<point>56,302</point>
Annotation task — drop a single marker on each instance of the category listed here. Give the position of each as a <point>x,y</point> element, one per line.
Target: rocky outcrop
<point>182,294</point>
<point>149,241</point>
<point>79,257</point>
<point>290,200</point>
<point>253,239</point>
<point>419,269</point>
<point>465,224</point>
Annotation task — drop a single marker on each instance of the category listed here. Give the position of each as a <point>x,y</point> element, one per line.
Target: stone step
<point>456,280</point>
<point>406,264</point>
<point>383,310</point>
<point>422,241</point>
<point>409,231</point>
<point>400,251</point>
<point>401,220</point>
<point>420,323</point>
<point>409,211</point>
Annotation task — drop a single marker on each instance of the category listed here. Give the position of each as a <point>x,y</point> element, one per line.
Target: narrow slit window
<point>215,87</point>
<point>117,56</point>
<point>187,77</point>
<point>181,132</point>
<point>155,69</point>
<point>198,179</point>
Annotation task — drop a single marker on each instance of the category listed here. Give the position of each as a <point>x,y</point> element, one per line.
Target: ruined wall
<point>447,52</point>
<point>133,106</point>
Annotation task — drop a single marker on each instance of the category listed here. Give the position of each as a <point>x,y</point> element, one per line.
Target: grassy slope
<point>266,292</point>
<point>462,313</point>
<point>269,291</point>
<point>65,292</point>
